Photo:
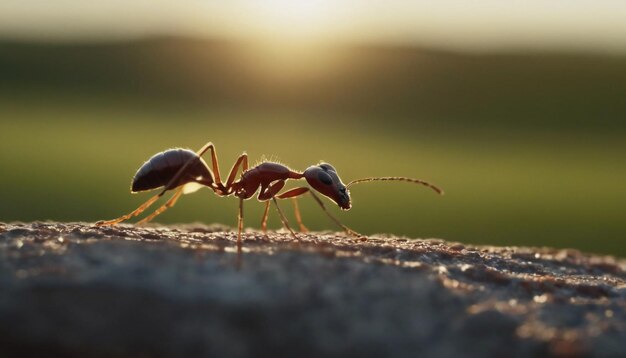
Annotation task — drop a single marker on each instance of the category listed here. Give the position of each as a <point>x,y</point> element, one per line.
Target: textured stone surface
<point>77,290</point>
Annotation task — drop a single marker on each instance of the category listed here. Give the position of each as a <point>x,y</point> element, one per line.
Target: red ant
<point>185,172</point>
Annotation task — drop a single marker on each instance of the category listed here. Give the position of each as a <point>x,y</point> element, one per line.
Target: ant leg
<point>296,210</point>
<point>167,187</point>
<point>271,191</point>
<point>284,219</point>
<point>199,153</point>
<point>214,162</point>
<point>264,220</point>
<point>294,194</point>
<point>243,161</point>
<point>345,228</point>
<point>164,207</point>
<point>136,212</point>
<point>240,224</point>
<point>151,201</point>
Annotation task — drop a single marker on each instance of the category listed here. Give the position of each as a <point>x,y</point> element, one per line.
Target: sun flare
<point>296,20</point>
<point>291,37</point>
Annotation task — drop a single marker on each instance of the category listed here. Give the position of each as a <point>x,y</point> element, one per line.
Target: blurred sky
<point>478,25</point>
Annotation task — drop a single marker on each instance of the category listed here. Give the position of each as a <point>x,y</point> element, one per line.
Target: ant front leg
<point>270,192</point>
<point>345,228</point>
<point>294,194</point>
<point>284,219</point>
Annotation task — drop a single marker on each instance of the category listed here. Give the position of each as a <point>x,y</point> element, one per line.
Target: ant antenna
<point>411,180</point>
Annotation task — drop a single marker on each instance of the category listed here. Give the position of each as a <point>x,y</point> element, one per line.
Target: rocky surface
<point>77,290</point>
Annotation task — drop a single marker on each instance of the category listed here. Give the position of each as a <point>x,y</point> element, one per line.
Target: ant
<point>185,172</point>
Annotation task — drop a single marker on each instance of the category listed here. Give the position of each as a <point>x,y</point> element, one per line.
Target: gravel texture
<point>76,290</point>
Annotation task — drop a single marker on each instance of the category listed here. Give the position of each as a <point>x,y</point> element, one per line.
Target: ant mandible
<point>185,172</point>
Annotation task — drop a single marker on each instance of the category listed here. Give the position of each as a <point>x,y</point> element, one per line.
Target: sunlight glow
<point>458,24</point>
<point>291,37</point>
<point>286,19</point>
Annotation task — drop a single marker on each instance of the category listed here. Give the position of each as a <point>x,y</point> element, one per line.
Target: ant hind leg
<point>163,207</point>
<point>167,187</point>
<point>135,212</point>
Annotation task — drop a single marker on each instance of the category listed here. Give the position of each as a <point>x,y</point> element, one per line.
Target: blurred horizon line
<point>426,47</point>
<point>555,90</point>
<point>485,26</point>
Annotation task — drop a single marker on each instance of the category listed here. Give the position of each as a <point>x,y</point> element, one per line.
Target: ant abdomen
<point>161,168</point>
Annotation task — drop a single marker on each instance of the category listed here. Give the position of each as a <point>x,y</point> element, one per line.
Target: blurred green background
<point>528,144</point>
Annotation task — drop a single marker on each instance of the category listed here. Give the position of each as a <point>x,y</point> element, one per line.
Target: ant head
<point>323,178</point>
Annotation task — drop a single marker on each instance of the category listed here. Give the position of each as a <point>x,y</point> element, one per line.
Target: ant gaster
<point>185,172</point>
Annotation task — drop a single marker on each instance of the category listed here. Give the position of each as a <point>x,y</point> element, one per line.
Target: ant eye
<point>325,178</point>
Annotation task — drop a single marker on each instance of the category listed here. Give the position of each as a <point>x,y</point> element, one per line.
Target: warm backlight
<point>285,19</point>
